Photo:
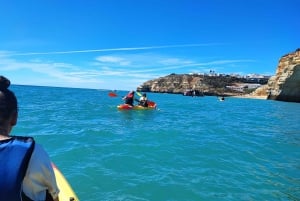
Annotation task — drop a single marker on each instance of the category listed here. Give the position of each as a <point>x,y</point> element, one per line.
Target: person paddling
<point>129,98</point>
<point>143,100</point>
<point>26,173</point>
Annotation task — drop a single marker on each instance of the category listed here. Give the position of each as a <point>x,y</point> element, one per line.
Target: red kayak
<point>151,106</point>
<point>112,94</point>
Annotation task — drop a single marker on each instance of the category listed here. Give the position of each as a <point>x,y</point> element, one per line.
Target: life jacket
<point>15,154</point>
<point>130,95</point>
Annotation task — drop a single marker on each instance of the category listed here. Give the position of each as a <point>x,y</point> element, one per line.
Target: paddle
<point>138,93</point>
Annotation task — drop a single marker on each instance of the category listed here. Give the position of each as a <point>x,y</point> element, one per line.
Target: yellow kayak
<point>151,106</point>
<point>66,192</point>
<point>136,107</point>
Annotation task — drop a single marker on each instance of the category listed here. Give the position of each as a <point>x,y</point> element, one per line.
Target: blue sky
<point>119,44</point>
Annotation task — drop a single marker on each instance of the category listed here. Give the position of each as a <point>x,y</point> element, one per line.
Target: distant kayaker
<point>143,100</point>
<point>222,98</point>
<point>25,167</point>
<point>129,98</point>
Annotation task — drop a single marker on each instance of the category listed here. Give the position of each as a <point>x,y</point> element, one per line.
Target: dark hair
<point>8,100</point>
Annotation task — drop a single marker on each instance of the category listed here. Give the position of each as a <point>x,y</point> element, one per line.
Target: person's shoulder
<point>39,159</point>
<point>39,147</point>
<point>40,152</point>
<point>22,138</point>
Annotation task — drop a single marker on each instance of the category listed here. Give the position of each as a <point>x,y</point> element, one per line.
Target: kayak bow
<point>66,192</point>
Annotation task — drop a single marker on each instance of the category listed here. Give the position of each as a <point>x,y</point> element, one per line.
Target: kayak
<point>112,94</point>
<point>151,106</point>
<point>135,107</point>
<point>66,192</point>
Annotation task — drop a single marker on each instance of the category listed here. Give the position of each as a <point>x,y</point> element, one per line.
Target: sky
<point>120,44</point>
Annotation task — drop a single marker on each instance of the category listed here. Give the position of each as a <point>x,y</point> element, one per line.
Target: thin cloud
<point>102,71</point>
<point>230,61</point>
<point>114,49</point>
<point>139,61</point>
<point>113,59</point>
<point>174,61</point>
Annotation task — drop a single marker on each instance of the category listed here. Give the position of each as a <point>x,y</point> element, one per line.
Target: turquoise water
<point>189,149</point>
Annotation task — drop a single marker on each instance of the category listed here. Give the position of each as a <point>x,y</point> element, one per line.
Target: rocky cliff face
<point>285,85</point>
<point>173,84</point>
<point>200,84</point>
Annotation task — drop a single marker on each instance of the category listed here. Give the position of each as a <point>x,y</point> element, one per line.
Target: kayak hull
<point>66,192</point>
<point>124,107</point>
<point>136,107</point>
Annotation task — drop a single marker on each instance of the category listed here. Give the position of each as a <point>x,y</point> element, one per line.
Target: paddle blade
<point>112,94</point>
<point>138,93</point>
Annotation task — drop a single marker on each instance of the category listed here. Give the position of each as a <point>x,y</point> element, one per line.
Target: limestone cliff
<point>285,85</point>
<point>199,84</point>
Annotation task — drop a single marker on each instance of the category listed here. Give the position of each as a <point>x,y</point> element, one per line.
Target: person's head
<point>8,105</point>
<point>144,94</point>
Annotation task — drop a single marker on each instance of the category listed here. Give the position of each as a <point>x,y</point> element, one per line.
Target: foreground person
<point>25,168</point>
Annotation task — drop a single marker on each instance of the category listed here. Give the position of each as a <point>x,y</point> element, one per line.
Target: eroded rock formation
<point>285,85</point>
<point>221,85</point>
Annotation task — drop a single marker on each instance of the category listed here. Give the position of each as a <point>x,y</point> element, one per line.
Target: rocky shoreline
<point>284,86</point>
<point>252,96</point>
<point>203,84</point>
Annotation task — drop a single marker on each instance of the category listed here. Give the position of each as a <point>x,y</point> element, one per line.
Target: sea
<point>188,149</point>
